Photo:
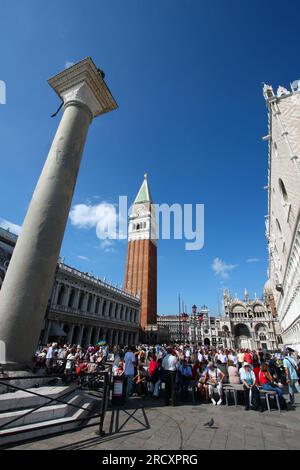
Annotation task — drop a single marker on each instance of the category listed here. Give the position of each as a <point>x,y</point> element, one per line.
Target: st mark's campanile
<point>141,260</point>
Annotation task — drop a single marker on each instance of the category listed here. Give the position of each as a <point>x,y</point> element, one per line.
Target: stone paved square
<point>152,426</point>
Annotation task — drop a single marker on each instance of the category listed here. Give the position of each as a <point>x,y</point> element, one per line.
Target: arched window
<point>89,303</point>
<point>138,226</point>
<point>71,298</point>
<point>278,226</point>
<point>97,305</point>
<point>283,190</point>
<point>61,295</point>
<point>80,303</point>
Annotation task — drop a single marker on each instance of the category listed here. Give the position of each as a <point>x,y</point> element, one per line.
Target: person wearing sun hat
<point>249,384</point>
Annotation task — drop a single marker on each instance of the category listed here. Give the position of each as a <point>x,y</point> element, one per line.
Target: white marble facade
<point>283,220</point>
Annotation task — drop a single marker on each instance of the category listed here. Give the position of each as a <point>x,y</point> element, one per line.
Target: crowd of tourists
<point>181,368</point>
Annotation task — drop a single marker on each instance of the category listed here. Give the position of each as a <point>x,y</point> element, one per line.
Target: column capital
<point>83,83</point>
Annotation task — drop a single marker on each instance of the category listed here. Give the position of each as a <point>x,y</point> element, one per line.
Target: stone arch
<point>242,336</point>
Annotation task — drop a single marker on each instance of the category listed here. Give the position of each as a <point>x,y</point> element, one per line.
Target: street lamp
<point>193,322</point>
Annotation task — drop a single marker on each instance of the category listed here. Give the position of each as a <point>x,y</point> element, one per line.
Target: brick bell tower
<point>141,261</point>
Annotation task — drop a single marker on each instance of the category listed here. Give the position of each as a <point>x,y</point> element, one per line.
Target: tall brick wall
<point>141,277</point>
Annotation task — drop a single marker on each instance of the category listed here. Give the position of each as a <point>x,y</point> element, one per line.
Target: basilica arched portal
<point>242,336</point>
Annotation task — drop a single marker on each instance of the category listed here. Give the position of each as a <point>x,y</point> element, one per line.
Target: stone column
<point>85,302</point>
<point>66,295</point>
<point>100,308</point>
<point>56,292</point>
<point>29,278</point>
<point>70,334</point>
<point>113,310</point>
<point>119,311</point>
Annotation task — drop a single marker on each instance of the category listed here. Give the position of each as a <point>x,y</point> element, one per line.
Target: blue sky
<point>187,76</point>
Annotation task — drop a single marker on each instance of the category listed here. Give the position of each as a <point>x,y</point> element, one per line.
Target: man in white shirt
<point>130,361</point>
<point>292,379</point>
<point>170,365</point>
<point>233,358</point>
<point>50,356</point>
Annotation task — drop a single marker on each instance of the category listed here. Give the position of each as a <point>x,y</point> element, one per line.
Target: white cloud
<point>107,246</point>
<point>84,258</point>
<point>14,228</point>
<point>221,268</point>
<point>68,64</point>
<point>103,217</point>
<point>253,260</point>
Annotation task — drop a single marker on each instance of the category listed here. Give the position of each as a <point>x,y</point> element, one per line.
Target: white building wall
<point>283,230</point>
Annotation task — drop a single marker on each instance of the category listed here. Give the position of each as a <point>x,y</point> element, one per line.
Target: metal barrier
<point>99,382</point>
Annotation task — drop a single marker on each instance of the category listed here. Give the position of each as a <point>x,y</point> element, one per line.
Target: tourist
<point>292,377</point>
<point>185,377</point>
<point>222,359</point>
<point>130,362</point>
<point>267,382</point>
<point>215,378</point>
<point>233,373</point>
<point>140,381</point>
<point>250,389</point>
<point>241,358</point>
<point>248,357</point>
<point>232,357</point>
<point>70,364</point>
<point>50,357</point>
<point>256,370</point>
<point>201,384</point>
<point>155,377</point>
<point>170,365</point>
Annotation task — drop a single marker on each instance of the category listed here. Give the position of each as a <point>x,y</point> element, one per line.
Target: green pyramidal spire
<point>144,193</point>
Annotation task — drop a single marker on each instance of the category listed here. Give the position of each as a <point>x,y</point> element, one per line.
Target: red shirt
<point>248,358</point>
<point>262,378</point>
<point>152,366</point>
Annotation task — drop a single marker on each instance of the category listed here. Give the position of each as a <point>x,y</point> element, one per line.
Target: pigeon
<point>209,423</point>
